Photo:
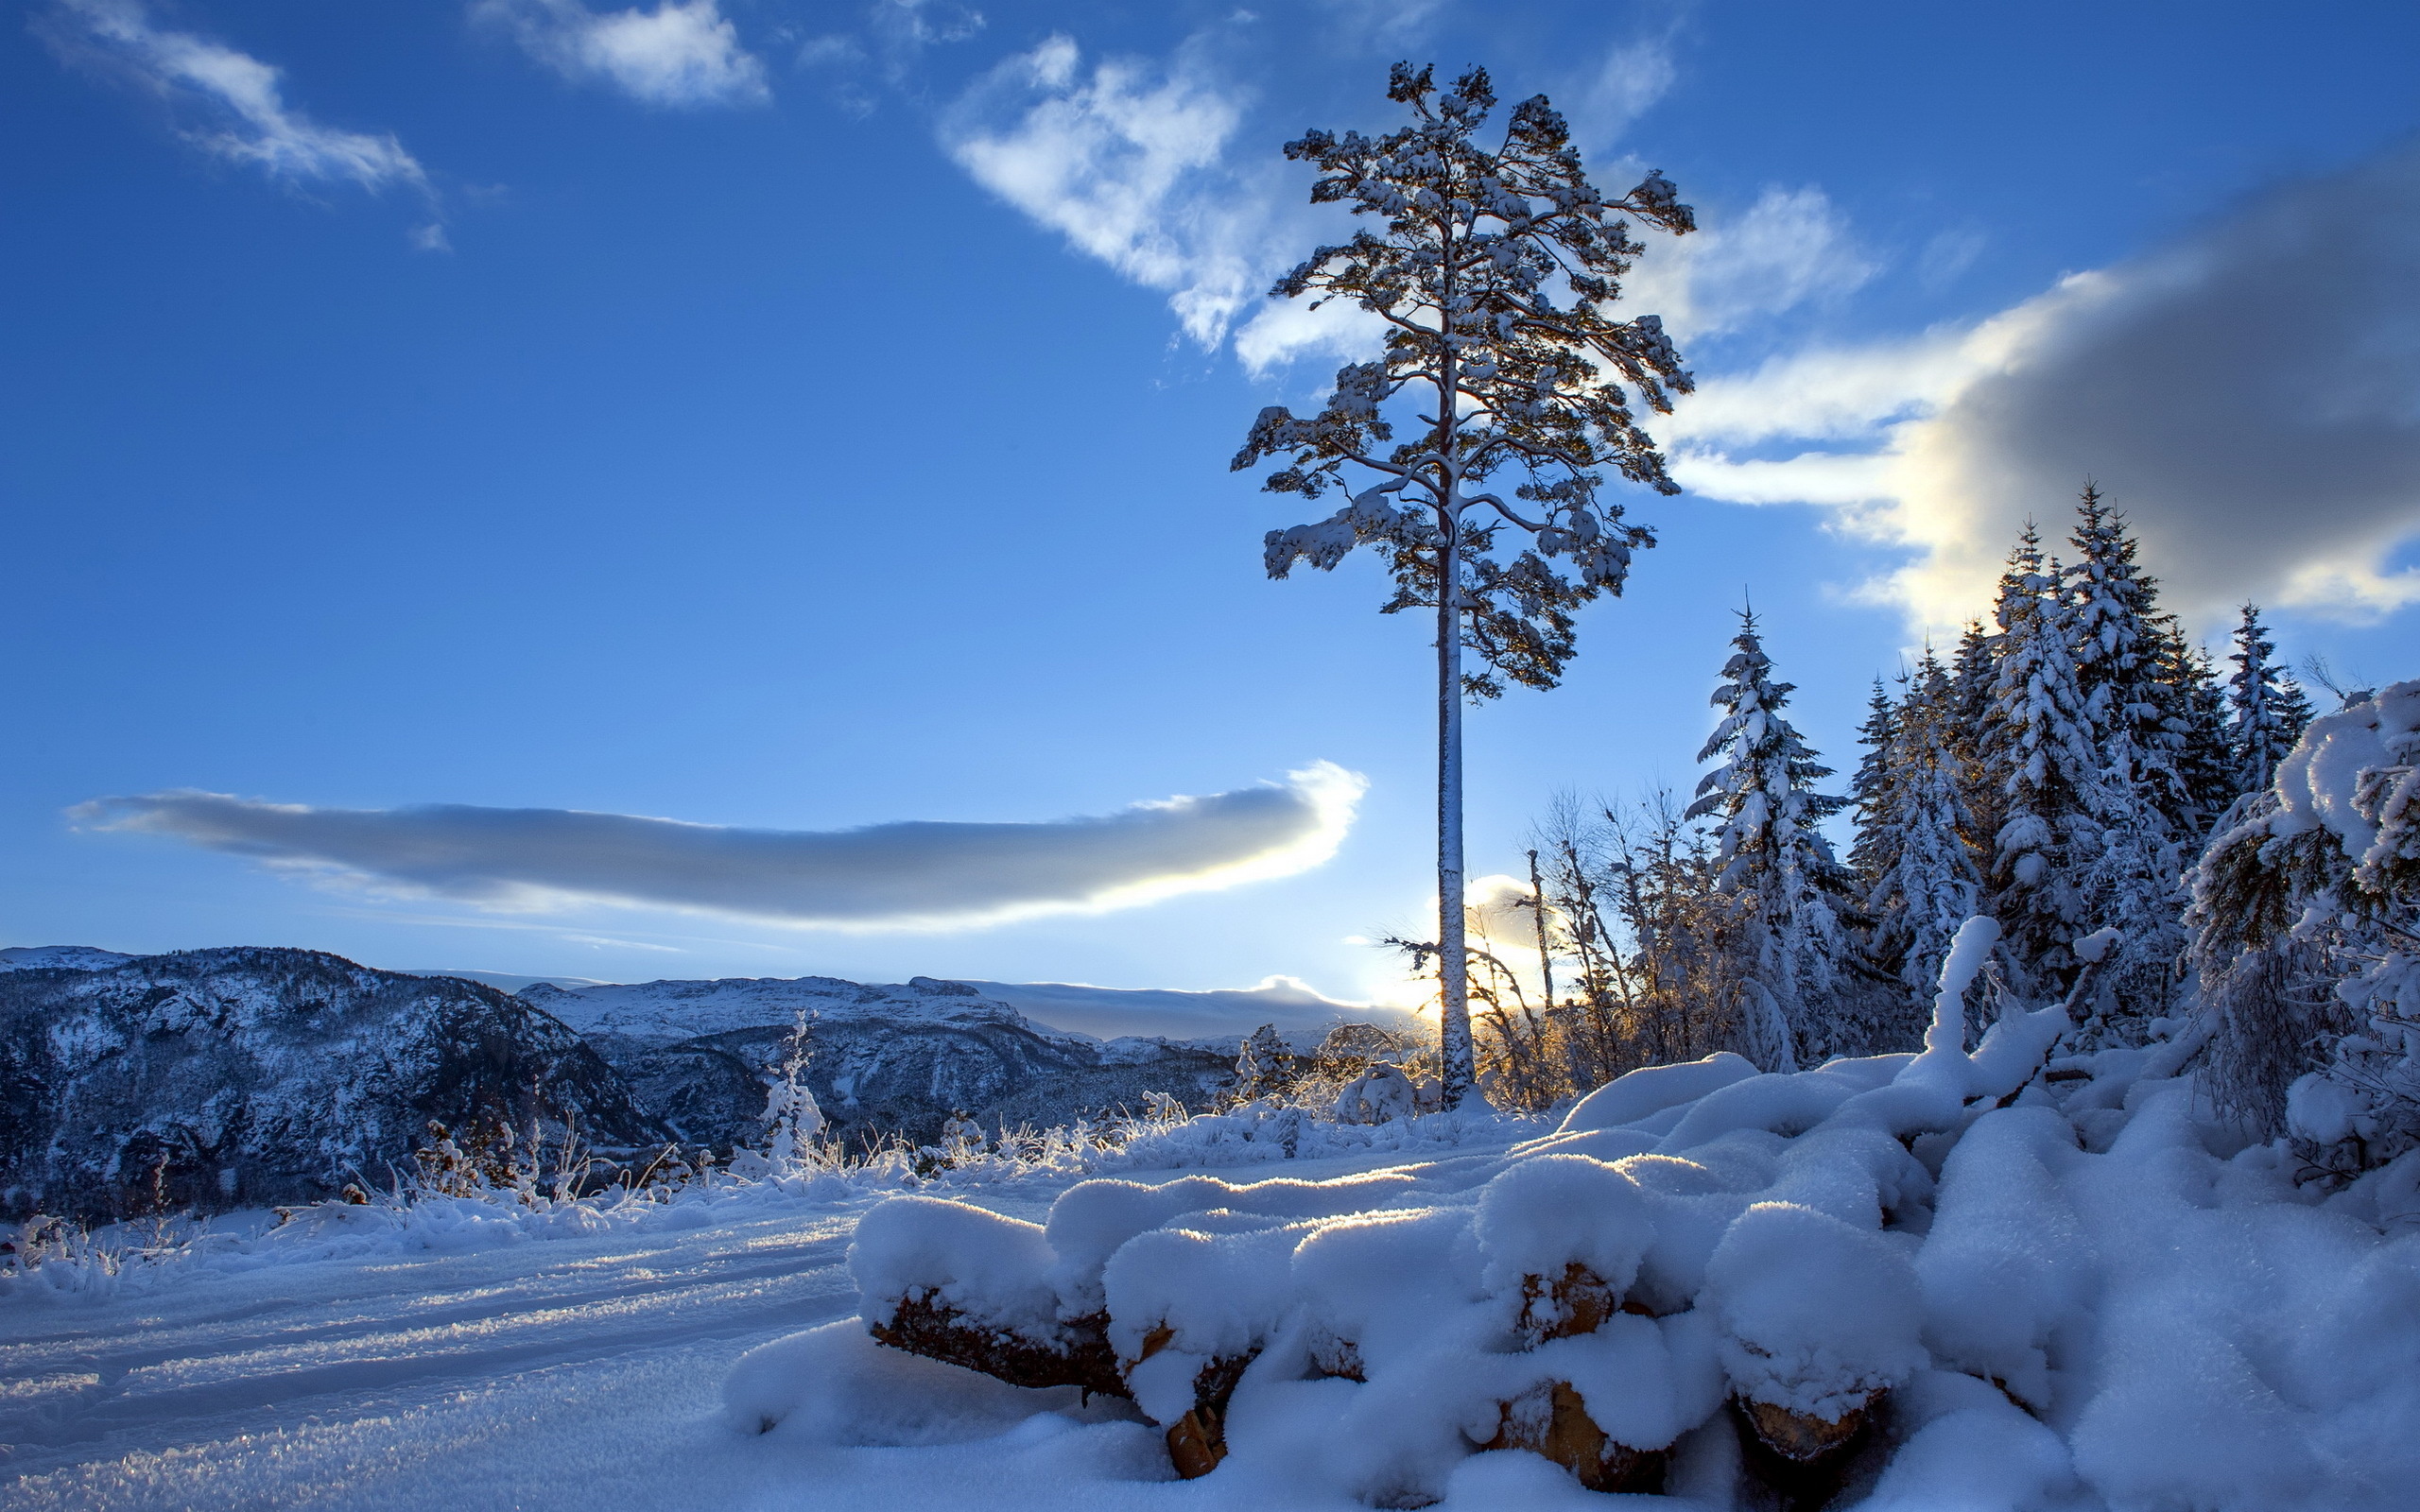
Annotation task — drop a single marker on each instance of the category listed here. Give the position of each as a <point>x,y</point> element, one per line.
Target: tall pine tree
<point>1776,867</point>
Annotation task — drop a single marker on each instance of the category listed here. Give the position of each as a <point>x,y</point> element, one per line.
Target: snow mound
<point>1920,1282</point>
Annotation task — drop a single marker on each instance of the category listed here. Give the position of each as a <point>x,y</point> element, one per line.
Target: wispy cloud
<point>886,876</point>
<point>1126,161</point>
<point>2249,394</point>
<point>1790,247</point>
<point>678,54</point>
<point>236,102</point>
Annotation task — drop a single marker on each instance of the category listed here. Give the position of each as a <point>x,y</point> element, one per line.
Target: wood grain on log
<point>1080,1356</point>
<point>1550,1420</point>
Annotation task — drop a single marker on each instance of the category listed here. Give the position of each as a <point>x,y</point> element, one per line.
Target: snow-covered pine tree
<point>2038,764</point>
<point>1875,847</point>
<point>1494,271</point>
<point>2205,755</point>
<point>1930,885</point>
<point>1973,668</point>
<point>2267,710</point>
<point>1777,864</point>
<point>2116,636</point>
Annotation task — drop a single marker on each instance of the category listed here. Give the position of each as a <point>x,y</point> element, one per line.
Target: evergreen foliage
<point>1915,838</point>
<point>1773,860</point>
<point>2267,711</point>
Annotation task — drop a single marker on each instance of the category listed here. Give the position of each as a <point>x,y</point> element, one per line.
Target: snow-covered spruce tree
<point>2118,640</point>
<point>2267,710</point>
<point>1776,866</point>
<point>1494,270</point>
<point>1973,668</point>
<point>2205,756</point>
<point>1872,852</point>
<point>1927,884</point>
<point>2125,853</point>
<point>2037,765</point>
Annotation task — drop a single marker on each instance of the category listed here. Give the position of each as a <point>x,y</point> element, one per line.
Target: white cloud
<point>242,95</point>
<point>1127,161</point>
<point>1633,75</point>
<point>2249,395</point>
<point>1791,247</point>
<point>886,876</point>
<point>678,54</point>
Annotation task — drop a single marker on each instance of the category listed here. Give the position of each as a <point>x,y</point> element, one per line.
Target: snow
<point>1816,1315</point>
<point>58,959</point>
<point>2092,1300</point>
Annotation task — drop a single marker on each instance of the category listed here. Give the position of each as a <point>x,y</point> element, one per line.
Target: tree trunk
<point>1453,961</point>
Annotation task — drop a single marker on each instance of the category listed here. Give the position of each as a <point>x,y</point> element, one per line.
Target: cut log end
<point>1803,1438</point>
<point>1575,1303</point>
<point>1801,1455</point>
<point>1080,1356</point>
<point>1552,1421</point>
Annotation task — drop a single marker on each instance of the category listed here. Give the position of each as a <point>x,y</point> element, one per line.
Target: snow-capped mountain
<point>224,1078</point>
<point>899,1057</point>
<point>1227,1013</point>
<point>240,1078</point>
<point>59,957</point>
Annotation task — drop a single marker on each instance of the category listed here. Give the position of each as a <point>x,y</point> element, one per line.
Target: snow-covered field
<point>505,1367</point>
<point>2078,1291</point>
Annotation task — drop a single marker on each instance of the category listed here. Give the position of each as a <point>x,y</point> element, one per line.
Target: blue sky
<point>800,417</point>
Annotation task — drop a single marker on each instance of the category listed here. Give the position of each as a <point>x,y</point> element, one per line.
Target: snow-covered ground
<point>506,1368</point>
<point>2067,1288</point>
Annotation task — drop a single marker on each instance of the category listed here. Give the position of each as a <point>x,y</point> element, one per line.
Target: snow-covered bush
<point>2307,915</point>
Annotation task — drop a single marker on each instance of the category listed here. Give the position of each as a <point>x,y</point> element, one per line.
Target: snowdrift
<point>2005,1279</point>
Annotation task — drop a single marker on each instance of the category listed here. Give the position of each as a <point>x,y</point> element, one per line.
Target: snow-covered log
<point>1690,1235</point>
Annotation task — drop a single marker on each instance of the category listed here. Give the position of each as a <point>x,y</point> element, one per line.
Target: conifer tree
<point>2206,757</point>
<point>1775,864</point>
<point>1494,270</point>
<point>1930,885</point>
<point>2038,764</point>
<point>2116,636</point>
<point>2268,710</point>
<point>1974,669</point>
<point>1875,847</point>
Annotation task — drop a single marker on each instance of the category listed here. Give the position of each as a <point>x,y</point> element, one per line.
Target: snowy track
<point>523,1376</point>
<point>583,1374</point>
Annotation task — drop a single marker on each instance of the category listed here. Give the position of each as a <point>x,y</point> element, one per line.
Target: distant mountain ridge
<point>221,1078</point>
<point>880,1058</point>
<point>240,1078</point>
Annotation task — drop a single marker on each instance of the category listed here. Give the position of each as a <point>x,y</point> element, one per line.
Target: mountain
<point>879,1057</point>
<point>1228,1013</point>
<point>224,1078</point>
<point>59,957</point>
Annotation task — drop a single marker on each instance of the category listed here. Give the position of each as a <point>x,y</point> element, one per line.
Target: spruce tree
<point>2117,637</point>
<point>2038,763</point>
<point>2206,759</point>
<point>1875,847</point>
<point>1494,271</point>
<point>1974,669</point>
<point>2267,710</point>
<point>1930,885</point>
<point>1788,887</point>
<point>2134,672</point>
